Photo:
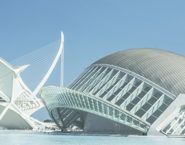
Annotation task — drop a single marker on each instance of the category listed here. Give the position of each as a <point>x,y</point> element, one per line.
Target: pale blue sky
<point>93,28</point>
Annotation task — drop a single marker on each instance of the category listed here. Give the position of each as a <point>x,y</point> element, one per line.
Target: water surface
<point>28,138</point>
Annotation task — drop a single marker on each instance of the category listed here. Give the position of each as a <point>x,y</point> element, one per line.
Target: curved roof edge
<point>164,68</point>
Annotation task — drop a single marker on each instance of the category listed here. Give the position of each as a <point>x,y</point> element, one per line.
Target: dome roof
<point>164,68</point>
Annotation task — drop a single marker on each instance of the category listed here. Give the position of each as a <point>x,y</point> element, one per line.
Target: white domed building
<point>137,91</point>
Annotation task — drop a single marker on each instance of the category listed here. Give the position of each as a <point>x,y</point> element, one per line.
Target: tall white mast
<point>62,60</point>
<point>53,65</point>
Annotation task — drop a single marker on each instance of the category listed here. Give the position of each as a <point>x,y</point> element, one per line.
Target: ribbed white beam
<point>102,82</point>
<point>172,125</point>
<point>119,82</point>
<point>85,78</point>
<point>178,129</point>
<point>96,80</point>
<point>175,124</point>
<point>106,79</point>
<point>144,99</point>
<point>82,77</point>
<point>124,90</point>
<point>117,86</point>
<point>182,129</point>
<point>132,95</point>
<point>109,84</point>
<point>154,107</point>
<point>86,84</point>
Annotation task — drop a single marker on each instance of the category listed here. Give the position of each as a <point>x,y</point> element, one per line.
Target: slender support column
<point>62,61</point>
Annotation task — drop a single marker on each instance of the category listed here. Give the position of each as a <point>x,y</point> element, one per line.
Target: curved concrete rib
<point>53,65</point>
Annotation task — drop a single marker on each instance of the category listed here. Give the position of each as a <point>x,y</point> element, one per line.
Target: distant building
<point>137,91</point>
